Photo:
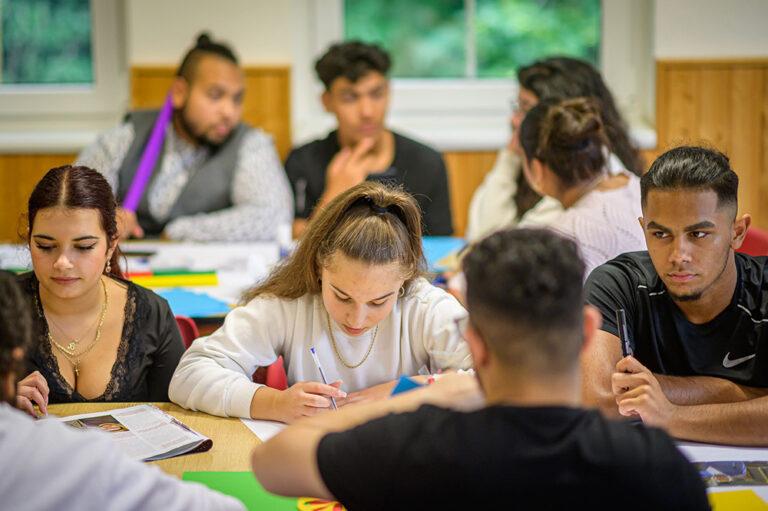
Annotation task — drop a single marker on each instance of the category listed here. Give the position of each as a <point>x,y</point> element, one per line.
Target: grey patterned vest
<point>208,189</point>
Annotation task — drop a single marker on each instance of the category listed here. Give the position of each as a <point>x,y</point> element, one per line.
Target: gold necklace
<point>336,349</point>
<point>69,351</point>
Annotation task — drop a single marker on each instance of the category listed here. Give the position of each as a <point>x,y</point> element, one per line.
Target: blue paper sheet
<point>437,247</point>
<point>192,304</point>
<point>405,384</point>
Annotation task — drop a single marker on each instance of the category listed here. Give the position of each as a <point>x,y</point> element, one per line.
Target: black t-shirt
<point>733,345</point>
<point>420,169</point>
<point>505,457</point>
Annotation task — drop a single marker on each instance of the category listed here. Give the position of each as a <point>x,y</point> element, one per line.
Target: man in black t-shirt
<point>697,312</point>
<point>523,443</point>
<point>357,94</point>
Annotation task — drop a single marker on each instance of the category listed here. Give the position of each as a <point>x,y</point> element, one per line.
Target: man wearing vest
<point>212,177</point>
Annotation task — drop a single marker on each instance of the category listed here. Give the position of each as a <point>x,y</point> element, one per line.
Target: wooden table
<point>232,441</point>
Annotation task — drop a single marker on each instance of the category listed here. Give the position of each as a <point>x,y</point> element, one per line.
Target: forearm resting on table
<point>739,423</point>
<point>700,390</point>
<point>264,404</point>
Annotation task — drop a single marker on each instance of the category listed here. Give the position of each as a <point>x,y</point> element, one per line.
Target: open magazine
<point>144,432</point>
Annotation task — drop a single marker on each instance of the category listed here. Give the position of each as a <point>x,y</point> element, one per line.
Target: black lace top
<point>149,350</point>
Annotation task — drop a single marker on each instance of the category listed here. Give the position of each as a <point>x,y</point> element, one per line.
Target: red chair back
<point>755,242</point>
<point>188,329</point>
<point>272,376</point>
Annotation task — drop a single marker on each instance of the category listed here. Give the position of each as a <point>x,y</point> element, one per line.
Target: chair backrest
<point>188,329</point>
<point>755,242</point>
<point>272,376</point>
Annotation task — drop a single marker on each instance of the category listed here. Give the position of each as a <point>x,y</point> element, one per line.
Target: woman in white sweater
<point>565,151</point>
<point>354,290</point>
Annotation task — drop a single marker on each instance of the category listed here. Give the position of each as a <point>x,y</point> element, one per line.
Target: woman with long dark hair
<point>564,143</point>
<point>97,337</point>
<point>505,198</point>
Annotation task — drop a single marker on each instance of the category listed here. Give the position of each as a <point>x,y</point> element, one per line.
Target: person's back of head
<point>695,169</point>
<point>525,298</point>
<point>558,78</point>
<point>351,60</point>
<point>15,334</point>
<point>204,46</point>
<point>568,137</point>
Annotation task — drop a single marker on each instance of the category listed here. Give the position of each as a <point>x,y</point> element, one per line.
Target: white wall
<point>159,32</point>
<point>711,28</point>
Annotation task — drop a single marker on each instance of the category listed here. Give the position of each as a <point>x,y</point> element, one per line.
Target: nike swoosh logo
<point>727,362</point>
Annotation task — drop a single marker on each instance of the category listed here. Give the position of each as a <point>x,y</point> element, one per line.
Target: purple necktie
<point>149,157</point>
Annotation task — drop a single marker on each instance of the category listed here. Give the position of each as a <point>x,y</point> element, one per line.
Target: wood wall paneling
<point>466,171</point>
<point>266,104</point>
<point>720,103</point>
<point>18,176</point>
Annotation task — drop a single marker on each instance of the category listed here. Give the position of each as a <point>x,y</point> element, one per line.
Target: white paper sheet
<point>264,430</point>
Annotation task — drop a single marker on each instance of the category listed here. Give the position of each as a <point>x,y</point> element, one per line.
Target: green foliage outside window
<point>46,42</point>
<point>427,38</point>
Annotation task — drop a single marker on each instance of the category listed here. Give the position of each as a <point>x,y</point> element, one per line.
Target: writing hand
<point>306,398</point>
<point>31,391</point>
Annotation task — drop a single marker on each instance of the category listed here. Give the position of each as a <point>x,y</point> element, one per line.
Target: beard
<point>692,296</point>
<point>180,116</point>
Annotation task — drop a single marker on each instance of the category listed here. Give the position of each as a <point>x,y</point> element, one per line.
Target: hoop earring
<point>108,268</point>
<point>401,293</point>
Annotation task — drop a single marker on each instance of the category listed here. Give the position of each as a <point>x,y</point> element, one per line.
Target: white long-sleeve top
<point>603,223</point>
<point>215,374</point>
<point>48,465</point>
<point>493,207</point>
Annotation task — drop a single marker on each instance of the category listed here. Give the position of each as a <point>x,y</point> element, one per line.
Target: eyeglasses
<point>518,107</point>
<point>462,324</point>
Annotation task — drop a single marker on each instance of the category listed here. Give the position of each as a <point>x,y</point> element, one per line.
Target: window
<point>46,42</point>
<point>64,73</point>
<point>460,111</point>
<point>474,38</point>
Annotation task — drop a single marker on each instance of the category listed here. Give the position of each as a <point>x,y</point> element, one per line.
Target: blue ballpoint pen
<point>322,373</point>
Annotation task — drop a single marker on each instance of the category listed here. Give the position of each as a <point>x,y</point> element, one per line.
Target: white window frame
<point>473,114</point>
<point>64,118</point>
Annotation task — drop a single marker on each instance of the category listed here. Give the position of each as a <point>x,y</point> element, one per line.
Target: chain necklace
<point>69,351</point>
<point>74,343</point>
<point>336,348</point>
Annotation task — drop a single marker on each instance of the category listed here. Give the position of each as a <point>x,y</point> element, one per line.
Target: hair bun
<point>203,39</point>
<point>574,123</point>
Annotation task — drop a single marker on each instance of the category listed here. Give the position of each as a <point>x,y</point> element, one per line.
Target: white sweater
<point>603,223</point>
<point>50,466</point>
<point>214,375</point>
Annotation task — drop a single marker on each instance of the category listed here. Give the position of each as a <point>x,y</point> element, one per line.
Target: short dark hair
<point>204,46</point>
<point>525,295</point>
<point>695,168</point>
<point>351,60</point>
<point>15,328</point>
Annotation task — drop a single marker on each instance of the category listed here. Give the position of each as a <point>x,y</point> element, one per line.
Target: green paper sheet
<point>244,487</point>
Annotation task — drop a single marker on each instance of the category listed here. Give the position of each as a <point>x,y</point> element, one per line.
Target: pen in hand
<point>322,374</point>
<point>621,325</point>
